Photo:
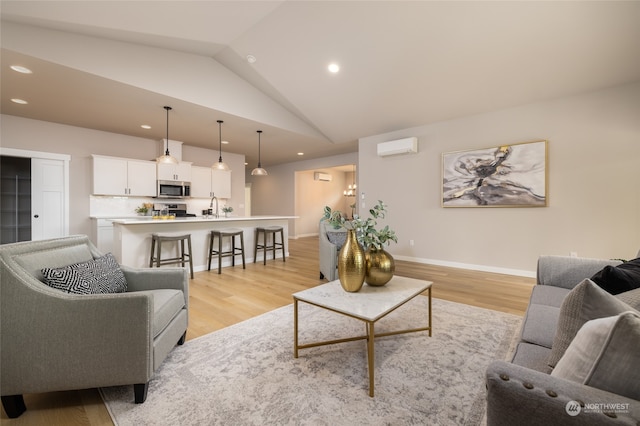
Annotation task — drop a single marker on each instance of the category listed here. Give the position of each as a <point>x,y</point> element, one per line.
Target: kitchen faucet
<point>214,198</point>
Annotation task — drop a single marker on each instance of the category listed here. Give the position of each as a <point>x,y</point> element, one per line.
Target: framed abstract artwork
<point>503,176</point>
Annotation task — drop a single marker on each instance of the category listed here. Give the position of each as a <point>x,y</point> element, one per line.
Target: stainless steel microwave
<point>173,189</point>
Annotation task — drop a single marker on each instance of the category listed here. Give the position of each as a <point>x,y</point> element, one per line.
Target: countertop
<point>143,220</point>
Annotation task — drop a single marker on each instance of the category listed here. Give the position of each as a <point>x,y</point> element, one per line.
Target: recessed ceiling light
<point>251,59</point>
<point>225,142</point>
<point>301,153</point>
<point>145,126</point>
<point>19,101</point>
<point>334,68</point>
<point>21,69</point>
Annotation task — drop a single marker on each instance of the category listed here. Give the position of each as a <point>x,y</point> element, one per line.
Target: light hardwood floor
<point>217,301</point>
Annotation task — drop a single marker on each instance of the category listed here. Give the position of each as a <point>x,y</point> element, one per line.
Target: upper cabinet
<point>123,176</point>
<point>178,172</point>
<point>206,183</point>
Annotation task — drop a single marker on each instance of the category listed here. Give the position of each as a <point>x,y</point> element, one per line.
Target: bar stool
<point>182,258</point>
<point>233,251</point>
<point>268,230</point>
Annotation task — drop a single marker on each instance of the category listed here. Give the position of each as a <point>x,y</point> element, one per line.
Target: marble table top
<point>368,304</point>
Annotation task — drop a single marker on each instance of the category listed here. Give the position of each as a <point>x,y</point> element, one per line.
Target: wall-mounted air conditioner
<point>400,146</point>
<point>325,177</point>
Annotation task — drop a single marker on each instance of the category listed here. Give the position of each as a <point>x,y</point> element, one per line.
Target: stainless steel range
<point>178,209</point>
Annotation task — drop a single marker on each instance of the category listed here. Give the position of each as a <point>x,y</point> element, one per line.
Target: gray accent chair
<point>51,340</point>
<point>329,250</point>
<point>522,392</point>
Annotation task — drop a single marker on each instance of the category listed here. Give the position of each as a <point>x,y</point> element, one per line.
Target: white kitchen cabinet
<point>178,172</point>
<point>104,235</point>
<point>122,176</point>
<point>206,182</point>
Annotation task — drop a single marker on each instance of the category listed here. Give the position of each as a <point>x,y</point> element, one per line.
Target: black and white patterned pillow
<point>100,275</point>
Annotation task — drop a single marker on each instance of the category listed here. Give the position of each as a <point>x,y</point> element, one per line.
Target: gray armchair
<point>330,242</point>
<point>51,340</point>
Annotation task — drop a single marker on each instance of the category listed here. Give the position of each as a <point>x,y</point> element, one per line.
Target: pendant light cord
<point>220,138</point>
<point>168,108</point>
<point>259,133</point>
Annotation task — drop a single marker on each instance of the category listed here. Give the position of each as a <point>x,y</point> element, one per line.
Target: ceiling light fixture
<point>259,171</point>
<point>19,101</point>
<point>351,189</point>
<point>145,126</point>
<point>167,158</point>
<point>21,69</point>
<point>251,59</point>
<point>334,68</point>
<point>220,165</point>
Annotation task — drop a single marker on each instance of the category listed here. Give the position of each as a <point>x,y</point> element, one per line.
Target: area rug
<point>246,374</point>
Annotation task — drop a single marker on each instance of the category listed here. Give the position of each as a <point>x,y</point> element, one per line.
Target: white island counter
<point>132,237</point>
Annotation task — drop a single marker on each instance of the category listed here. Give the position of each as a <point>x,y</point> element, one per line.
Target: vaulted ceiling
<point>112,65</point>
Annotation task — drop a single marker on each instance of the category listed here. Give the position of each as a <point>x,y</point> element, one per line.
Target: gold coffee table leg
<point>370,352</point>
<point>295,328</point>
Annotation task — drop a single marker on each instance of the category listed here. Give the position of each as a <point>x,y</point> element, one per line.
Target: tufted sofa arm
<point>521,396</point>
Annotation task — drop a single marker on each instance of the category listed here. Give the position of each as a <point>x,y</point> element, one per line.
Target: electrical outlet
<point>574,254</point>
<point>411,243</point>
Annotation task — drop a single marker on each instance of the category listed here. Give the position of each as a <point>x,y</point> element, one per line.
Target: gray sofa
<point>51,340</point>
<point>522,391</point>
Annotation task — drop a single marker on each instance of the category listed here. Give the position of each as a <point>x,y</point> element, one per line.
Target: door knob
<point>36,216</point>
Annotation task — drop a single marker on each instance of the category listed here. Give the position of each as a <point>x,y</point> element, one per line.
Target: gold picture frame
<point>512,175</point>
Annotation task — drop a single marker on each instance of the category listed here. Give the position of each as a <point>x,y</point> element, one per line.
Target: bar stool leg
<point>233,250</point>
<point>219,254</point>
<point>242,247</point>
<point>190,258</point>
<point>282,241</point>
<point>211,238</point>
<point>159,248</point>
<point>153,246</point>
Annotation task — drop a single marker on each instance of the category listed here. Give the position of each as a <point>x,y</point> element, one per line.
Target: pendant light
<point>259,171</point>
<point>220,165</point>
<point>167,158</point>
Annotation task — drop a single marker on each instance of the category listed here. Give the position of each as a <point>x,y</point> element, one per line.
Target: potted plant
<point>379,264</point>
<point>226,210</point>
<point>145,209</point>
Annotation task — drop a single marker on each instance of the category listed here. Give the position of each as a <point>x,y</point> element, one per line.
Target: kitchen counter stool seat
<point>155,258</point>
<point>265,232</point>
<point>233,251</point>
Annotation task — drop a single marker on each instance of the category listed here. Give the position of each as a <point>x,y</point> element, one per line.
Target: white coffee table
<point>368,305</point>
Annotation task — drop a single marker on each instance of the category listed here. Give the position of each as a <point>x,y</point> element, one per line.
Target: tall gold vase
<point>380,267</point>
<point>351,264</point>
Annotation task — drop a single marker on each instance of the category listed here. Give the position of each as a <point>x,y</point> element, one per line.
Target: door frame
<point>65,158</point>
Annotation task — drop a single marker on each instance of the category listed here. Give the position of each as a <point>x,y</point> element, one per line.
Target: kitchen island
<point>132,237</point>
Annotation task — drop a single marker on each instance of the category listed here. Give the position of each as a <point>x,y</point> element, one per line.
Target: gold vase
<point>351,263</point>
<point>380,267</point>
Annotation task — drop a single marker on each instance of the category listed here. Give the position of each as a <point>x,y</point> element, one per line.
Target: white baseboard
<point>483,268</point>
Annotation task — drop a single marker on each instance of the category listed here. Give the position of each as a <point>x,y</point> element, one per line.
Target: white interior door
<point>47,199</point>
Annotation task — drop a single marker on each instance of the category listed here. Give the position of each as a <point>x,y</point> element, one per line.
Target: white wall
<point>594,171</point>
<point>80,143</point>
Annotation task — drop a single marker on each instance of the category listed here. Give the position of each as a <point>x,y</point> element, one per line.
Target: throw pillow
<point>100,275</point>
<point>604,355</point>
<point>620,278</point>
<point>631,298</point>
<point>337,238</point>
<point>585,302</point>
